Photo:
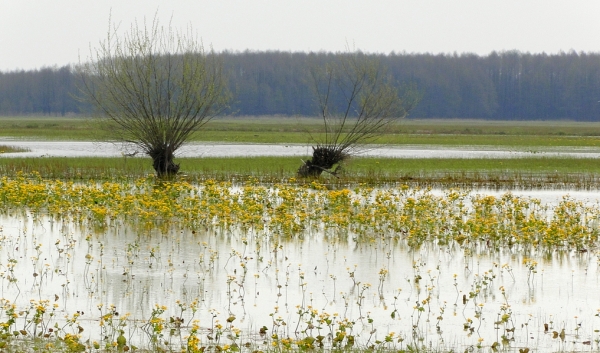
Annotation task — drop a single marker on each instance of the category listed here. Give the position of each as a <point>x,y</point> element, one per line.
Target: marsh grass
<point>506,173</point>
<point>64,168</point>
<point>12,149</point>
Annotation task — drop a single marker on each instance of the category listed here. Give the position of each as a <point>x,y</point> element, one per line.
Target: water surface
<point>105,149</point>
<point>423,296</point>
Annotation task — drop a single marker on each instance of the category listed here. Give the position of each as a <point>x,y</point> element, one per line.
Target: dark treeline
<point>47,91</point>
<point>505,85</point>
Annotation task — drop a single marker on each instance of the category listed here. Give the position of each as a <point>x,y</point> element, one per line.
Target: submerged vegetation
<point>107,240</point>
<point>410,215</point>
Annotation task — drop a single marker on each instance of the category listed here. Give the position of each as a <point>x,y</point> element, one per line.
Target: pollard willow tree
<point>153,87</point>
<point>357,103</point>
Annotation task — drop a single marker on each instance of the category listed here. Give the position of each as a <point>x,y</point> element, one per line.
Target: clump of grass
<point>12,149</point>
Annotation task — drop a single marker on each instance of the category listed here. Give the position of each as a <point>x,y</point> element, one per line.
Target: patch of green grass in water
<point>12,149</point>
<point>507,173</point>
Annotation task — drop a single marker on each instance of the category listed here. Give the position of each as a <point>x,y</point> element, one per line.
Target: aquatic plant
<point>411,216</point>
<point>191,266</point>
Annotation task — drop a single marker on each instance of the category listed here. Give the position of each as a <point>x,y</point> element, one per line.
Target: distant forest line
<point>502,85</point>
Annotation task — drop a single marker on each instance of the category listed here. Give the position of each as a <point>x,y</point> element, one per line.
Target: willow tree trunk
<point>163,163</point>
<point>323,159</point>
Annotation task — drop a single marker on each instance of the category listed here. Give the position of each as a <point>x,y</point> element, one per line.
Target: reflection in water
<point>436,296</point>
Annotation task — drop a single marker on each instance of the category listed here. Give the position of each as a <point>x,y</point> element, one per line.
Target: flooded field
<point>251,267</point>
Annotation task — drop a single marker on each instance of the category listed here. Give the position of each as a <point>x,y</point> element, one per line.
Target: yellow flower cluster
<point>365,214</point>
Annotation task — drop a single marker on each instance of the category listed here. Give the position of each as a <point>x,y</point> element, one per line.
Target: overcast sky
<point>41,33</point>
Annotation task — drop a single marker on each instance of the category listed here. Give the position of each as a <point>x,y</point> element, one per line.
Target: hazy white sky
<point>56,32</point>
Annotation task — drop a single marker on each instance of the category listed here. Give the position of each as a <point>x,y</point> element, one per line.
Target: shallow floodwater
<point>437,297</point>
<point>105,149</point>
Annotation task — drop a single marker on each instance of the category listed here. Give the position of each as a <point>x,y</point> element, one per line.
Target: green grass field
<point>529,135</point>
<point>299,130</point>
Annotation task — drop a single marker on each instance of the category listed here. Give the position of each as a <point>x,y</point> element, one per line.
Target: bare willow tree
<point>153,87</point>
<point>357,101</point>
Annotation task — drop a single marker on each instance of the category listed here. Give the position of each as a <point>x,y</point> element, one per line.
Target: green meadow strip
<point>511,134</point>
<point>515,172</point>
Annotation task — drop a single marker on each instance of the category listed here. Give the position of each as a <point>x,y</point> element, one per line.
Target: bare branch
<point>154,87</point>
<point>357,101</point>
